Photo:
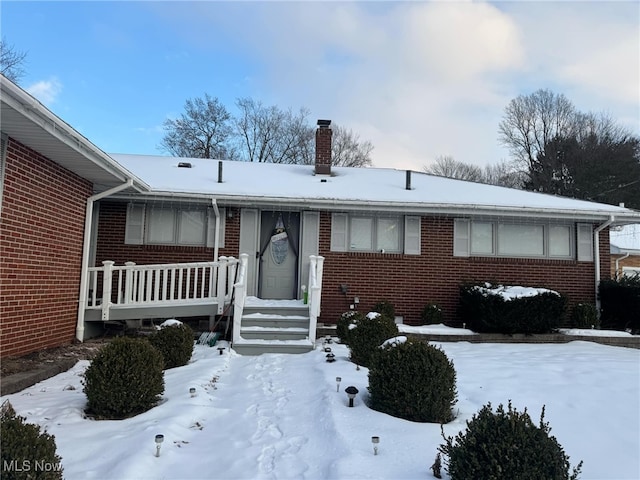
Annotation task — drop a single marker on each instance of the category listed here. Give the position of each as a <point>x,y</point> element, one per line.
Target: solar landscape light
<point>221,349</point>
<point>351,392</point>
<point>331,357</point>
<point>159,440</point>
<point>338,380</point>
<point>192,391</point>
<point>327,349</point>
<point>375,441</point>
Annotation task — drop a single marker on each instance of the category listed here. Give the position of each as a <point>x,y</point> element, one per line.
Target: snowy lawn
<point>280,416</point>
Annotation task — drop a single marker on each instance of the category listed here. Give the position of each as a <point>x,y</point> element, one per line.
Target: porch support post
<point>84,269</point>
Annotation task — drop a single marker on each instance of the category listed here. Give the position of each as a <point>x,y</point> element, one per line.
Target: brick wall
<point>409,281</point>
<point>41,234</point>
<point>111,229</point>
<point>630,261</point>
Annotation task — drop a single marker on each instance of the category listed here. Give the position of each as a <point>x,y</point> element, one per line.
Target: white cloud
<point>46,91</point>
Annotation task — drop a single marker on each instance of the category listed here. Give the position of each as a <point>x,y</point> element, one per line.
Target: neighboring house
<point>625,251</point>
<point>383,234</point>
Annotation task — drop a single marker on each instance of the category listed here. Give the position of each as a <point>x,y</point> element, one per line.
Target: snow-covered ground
<point>281,416</point>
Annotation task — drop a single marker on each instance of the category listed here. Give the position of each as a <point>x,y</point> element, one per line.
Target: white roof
<point>625,239</point>
<point>346,188</point>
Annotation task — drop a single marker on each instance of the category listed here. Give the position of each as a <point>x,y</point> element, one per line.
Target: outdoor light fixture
<point>351,393</point>
<point>331,357</point>
<point>159,440</point>
<point>328,339</point>
<point>338,380</point>
<point>221,349</point>
<point>327,349</point>
<point>375,441</point>
<point>192,391</point>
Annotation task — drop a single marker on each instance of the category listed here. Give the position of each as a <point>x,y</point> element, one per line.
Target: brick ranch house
<point>88,238</point>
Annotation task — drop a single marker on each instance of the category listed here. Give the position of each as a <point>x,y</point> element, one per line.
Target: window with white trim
<point>375,233</point>
<point>166,225</point>
<point>521,239</point>
<point>631,272</point>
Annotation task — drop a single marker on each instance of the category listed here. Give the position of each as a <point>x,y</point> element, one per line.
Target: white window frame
<point>140,216</point>
<point>631,272</point>
<point>463,239</point>
<point>409,233</point>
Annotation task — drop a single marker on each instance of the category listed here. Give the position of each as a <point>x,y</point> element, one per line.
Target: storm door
<point>278,256</point>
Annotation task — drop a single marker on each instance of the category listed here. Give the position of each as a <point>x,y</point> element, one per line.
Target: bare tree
<point>11,61</point>
<point>447,166</point>
<point>347,150</point>
<point>504,174</point>
<point>203,131</point>
<point>270,134</point>
<point>530,121</point>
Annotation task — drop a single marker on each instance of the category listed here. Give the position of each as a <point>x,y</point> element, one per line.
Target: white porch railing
<point>315,293</point>
<point>240,288</point>
<point>152,285</point>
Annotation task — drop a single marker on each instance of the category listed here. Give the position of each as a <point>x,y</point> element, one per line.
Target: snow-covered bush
<point>585,315</point>
<point>175,342</point>
<point>367,334</point>
<point>124,379</point>
<point>506,445</point>
<point>414,381</point>
<point>25,451</point>
<point>431,314</point>
<point>488,308</point>
<point>345,322</point>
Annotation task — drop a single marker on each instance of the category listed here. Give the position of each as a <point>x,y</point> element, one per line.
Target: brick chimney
<point>323,147</point>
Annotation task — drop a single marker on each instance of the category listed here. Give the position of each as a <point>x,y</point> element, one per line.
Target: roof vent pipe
<point>408,182</point>
<point>219,171</point>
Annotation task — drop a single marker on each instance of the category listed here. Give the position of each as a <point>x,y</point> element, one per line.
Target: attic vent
<point>184,165</point>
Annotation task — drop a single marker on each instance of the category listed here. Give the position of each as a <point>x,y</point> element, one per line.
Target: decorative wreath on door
<point>279,242</point>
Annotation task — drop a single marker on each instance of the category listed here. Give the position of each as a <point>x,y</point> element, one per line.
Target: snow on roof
<point>625,238</point>
<point>365,186</point>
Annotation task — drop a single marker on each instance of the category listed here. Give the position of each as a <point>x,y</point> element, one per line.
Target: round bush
<point>343,327</point>
<point>124,379</point>
<point>175,343</point>
<point>385,307</point>
<point>25,451</point>
<point>369,333</point>
<point>585,315</point>
<point>431,314</point>
<point>414,381</point>
<point>505,445</point>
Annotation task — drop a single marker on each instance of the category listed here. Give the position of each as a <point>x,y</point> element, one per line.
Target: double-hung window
<point>165,225</point>
<point>522,239</point>
<point>375,233</point>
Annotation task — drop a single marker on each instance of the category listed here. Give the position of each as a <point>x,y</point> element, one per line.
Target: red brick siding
<point>630,261</point>
<point>409,281</point>
<point>41,234</point>
<point>111,246</point>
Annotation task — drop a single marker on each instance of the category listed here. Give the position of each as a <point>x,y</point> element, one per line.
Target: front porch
<point>131,292</point>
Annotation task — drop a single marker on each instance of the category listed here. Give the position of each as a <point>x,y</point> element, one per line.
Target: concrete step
<point>274,333</point>
<point>275,320</point>
<point>299,310</point>
<point>258,347</point>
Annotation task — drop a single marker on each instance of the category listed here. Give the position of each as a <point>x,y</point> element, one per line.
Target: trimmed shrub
<point>620,303</point>
<point>367,336</point>
<point>124,379</point>
<point>431,314</point>
<point>385,308</point>
<point>485,309</point>
<point>585,315</point>
<point>414,381</point>
<point>25,451</point>
<point>506,445</point>
<point>347,319</point>
<point>175,343</point>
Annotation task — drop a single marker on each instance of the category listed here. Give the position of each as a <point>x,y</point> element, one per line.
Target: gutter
<point>596,257</point>
<point>84,273</point>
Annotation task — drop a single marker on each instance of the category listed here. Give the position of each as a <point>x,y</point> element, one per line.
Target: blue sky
<point>417,79</point>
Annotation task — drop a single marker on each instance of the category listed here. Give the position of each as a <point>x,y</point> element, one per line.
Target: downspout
<point>84,273</point>
<point>596,257</point>
<point>618,263</point>
<point>216,235</point>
